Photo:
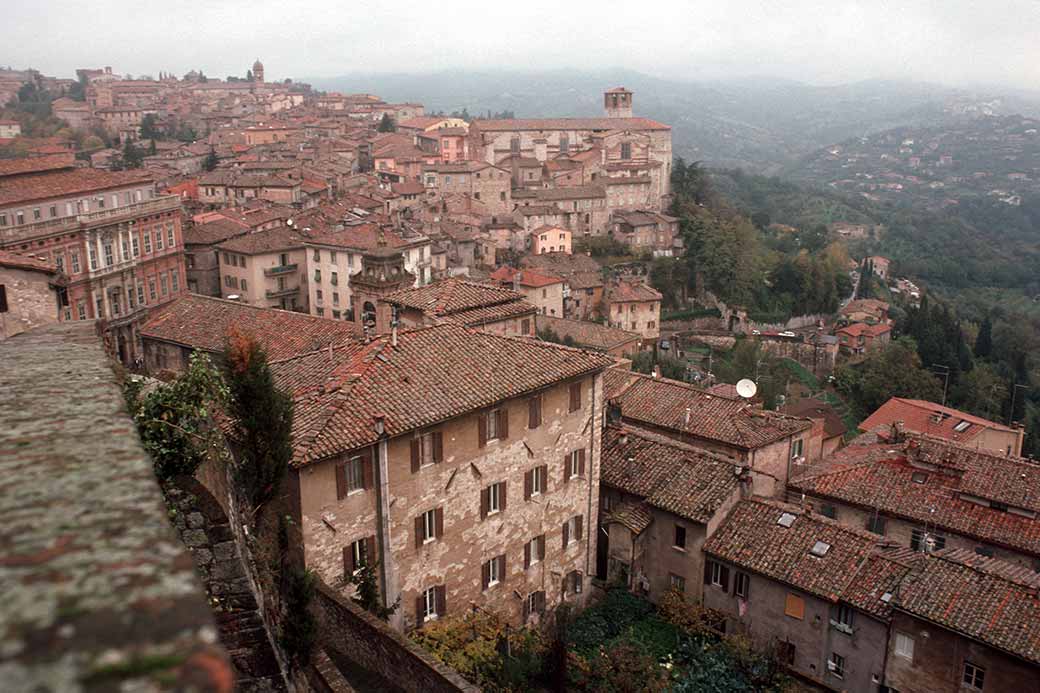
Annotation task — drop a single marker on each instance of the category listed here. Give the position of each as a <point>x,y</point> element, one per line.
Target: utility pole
<point>946,378</point>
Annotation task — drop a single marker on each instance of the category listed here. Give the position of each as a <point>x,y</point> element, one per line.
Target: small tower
<point>382,273</point>
<point>618,102</point>
<point>258,71</point>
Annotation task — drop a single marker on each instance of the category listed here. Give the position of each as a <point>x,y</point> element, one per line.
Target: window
<point>3,299</point>
<point>535,481</point>
<point>876,524</point>
<point>493,499</point>
<point>429,526</point>
<point>335,279</point>
<point>904,645</point>
<point>92,253</point>
<point>680,537</point>
<point>922,540</point>
<point>318,294</point>
<point>354,472</point>
<point>427,449</point>
<point>492,425</point>
<point>572,529</point>
<point>534,551</point>
<point>742,585</point>
<point>574,464</point>
<point>140,293</point>
<point>534,604</point>
<point>431,603</point>
<point>3,220</point>
<point>152,294</point>
<point>59,261</point>
<point>844,616</point>
<point>525,328</point>
<point>146,236</point>
<point>572,582</point>
<point>836,665</point>
<point>358,554</point>
<point>99,307</point>
<point>677,582</point>
<point>74,257</point>
<point>158,239</point>
<point>626,150</point>
<point>109,251</point>
<point>175,281</point>
<point>794,606</point>
<point>36,214</point>
<point>575,397</point>
<point>716,575</point>
<point>796,448</point>
<point>494,571</point>
<point>135,247</point>
<point>335,298</point>
<point>974,676</point>
<point>317,275</point>
<point>534,410</point>
<point>81,310</point>
<point>242,284</point>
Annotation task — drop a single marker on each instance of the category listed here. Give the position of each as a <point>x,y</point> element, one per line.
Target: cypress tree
<point>984,341</point>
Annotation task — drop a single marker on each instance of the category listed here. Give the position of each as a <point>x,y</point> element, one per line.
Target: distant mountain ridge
<point>761,124</point>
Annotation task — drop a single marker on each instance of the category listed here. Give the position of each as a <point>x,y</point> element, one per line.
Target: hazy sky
<point>948,41</point>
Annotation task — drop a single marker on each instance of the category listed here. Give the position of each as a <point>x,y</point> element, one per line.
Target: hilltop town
<point>443,403</point>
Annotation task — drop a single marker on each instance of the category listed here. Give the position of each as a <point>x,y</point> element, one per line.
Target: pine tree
<point>387,124</point>
<point>211,160</point>
<point>131,156</point>
<point>262,416</point>
<point>367,597</point>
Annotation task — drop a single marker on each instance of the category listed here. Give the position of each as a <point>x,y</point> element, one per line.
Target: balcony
<point>280,269</point>
<point>102,217</point>
<point>279,293</point>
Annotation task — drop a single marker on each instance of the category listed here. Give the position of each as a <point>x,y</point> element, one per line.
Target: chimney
<point>657,371</point>
<point>393,334</point>
<point>744,480</point>
<point>516,281</point>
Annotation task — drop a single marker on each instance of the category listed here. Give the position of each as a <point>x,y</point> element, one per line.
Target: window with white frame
<point>429,526</point>
<point>836,665</point>
<point>677,582</point>
<point>538,480</point>
<point>355,474</point>
<point>430,604</point>
<point>904,645</point>
<point>974,677</point>
<point>796,448</point>
<point>494,498</point>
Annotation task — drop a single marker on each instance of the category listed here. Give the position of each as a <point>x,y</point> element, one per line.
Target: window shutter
<point>348,561</point>
<point>485,574</point>
<point>418,531</point>
<point>534,412</point>
<point>438,522</point>
<point>581,462</point>
<point>341,480</point>
<point>575,396</point>
<point>502,493</point>
<point>370,550</point>
<point>566,533</point>
<point>566,468</point>
<point>503,423</point>
<point>439,593</point>
<point>577,527</point>
<point>484,502</point>
<point>366,471</point>
<point>707,572</point>
<point>438,446</point>
<point>528,483</point>
<point>539,601</point>
<point>541,547</point>
<point>527,555</point>
<point>525,610</point>
<point>502,568</point>
<point>725,579</point>
<point>482,429</point>
<point>415,455</point>
<point>545,478</point>
<point>419,603</point>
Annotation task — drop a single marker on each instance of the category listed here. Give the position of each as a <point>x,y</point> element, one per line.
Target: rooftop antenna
<point>746,388</point>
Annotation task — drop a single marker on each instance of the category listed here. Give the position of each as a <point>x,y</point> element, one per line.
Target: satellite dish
<point>746,388</point>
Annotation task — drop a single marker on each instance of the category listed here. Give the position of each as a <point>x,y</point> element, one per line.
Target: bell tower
<point>258,72</point>
<point>382,273</point>
<point>617,102</point>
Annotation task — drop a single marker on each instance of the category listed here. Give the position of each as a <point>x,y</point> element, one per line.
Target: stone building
<point>471,480</point>
<point>635,306</point>
<point>938,421</point>
<point>928,494</point>
<point>619,344</point>
<point>647,231</point>
<point>480,180</point>
<point>483,307</point>
<point>543,290</point>
<point>118,243</point>
<point>201,257</point>
<point>31,294</point>
<point>551,239</point>
<point>266,269</point>
<point>381,275</point>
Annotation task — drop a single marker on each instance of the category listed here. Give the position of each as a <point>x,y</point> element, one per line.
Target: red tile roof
<point>451,296</point>
<point>666,474</point>
<point>924,417</point>
<point>624,291</point>
<point>677,406</point>
<point>529,278</point>
<point>591,335</point>
<point>26,262</point>
<point>268,241</point>
<point>857,329</point>
<point>507,125</point>
<point>203,322</point>
<point>988,600</point>
<point>66,182</point>
<point>432,375</point>
<point>36,164</point>
<point>811,408</point>
<point>936,483</point>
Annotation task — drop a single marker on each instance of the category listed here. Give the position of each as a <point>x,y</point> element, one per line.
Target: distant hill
<point>760,124</point>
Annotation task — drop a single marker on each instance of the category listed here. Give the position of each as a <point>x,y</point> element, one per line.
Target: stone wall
<point>31,302</point>
<point>352,633</point>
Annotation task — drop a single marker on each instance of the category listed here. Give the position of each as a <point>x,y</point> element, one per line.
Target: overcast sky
<point>957,42</point>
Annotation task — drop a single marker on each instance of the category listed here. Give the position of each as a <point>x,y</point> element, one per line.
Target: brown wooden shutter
<point>418,531</point>
<point>440,596</point>
<point>525,610</point>
<point>415,455</point>
<point>503,423</point>
<point>502,568</point>
<point>566,533</point>
<point>575,403</point>
<point>419,604</point>
<point>341,480</point>
<point>370,550</point>
<point>566,468</point>
<point>348,561</point>
<point>541,547</point>
<point>528,483</point>
<point>578,527</point>
<point>485,574</point>
<point>438,522</point>
<point>725,579</point>
<point>527,555</point>
<point>482,429</point>
<point>366,471</point>
<point>534,412</point>
<point>502,505</point>
<point>438,446</point>
<point>485,494</point>
<point>581,462</point>
<point>539,601</point>
<point>707,572</point>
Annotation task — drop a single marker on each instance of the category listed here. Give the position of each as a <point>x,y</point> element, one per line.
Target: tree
<point>150,127</point>
<point>760,220</point>
<point>249,75</point>
<point>211,160</point>
<point>984,340</point>
<point>262,417</point>
<point>894,371</point>
<point>299,627</point>
<point>173,419</point>
<point>368,598</point>
<point>131,155</point>
<point>387,124</point>
<point>151,148</point>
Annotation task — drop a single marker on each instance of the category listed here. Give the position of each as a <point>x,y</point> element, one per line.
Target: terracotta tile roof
<point>752,538</point>
<point>26,262</point>
<point>563,264</point>
<point>861,328</point>
<point>985,599</point>
<point>865,305</point>
<point>635,516</point>
<point>591,335</point>
<point>516,124</point>
<point>35,164</point>
<point>923,416</point>
<point>880,576</point>
<point>529,278</point>
<point>811,408</point>
<point>932,482</point>
<point>61,183</point>
<point>362,237</point>
<point>432,375</point>
<point>408,188</point>
<point>724,390</point>
<point>215,231</point>
<point>677,406</point>
<point>486,315</point>
<point>451,296</point>
<point>202,322</point>
<point>572,192</point>
<point>666,474</point>
<point>624,291</point>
